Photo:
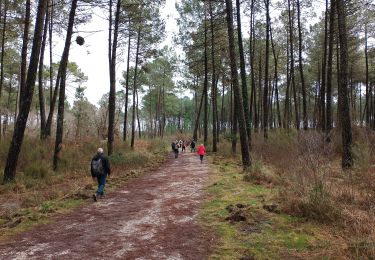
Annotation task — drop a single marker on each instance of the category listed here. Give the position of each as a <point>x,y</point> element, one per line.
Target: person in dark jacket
<point>100,169</point>
<point>175,149</point>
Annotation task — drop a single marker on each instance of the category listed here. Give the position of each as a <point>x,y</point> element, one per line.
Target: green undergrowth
<point>247,224</point>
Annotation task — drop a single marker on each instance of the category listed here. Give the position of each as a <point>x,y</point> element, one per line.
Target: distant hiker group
<point>181,145</point>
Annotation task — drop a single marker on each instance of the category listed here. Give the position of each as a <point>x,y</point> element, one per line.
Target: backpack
<point>97,167</point>
<point>173,146</point>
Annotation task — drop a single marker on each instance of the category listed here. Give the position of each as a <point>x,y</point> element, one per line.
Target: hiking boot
<point>94,197</point>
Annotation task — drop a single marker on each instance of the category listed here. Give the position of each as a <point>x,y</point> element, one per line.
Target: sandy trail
<point>151,217</point>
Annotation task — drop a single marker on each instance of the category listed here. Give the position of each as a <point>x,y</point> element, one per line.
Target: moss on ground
<point>264,234</point>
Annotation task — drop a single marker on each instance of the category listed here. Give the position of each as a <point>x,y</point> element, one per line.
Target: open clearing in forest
<point>151,217</point>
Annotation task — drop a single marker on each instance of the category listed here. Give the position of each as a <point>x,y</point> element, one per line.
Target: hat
<point>100,150</point>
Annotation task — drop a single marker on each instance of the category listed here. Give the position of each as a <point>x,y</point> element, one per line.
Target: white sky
<point>92,57</point>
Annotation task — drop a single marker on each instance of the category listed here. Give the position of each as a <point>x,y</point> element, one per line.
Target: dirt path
<point>152,217</point>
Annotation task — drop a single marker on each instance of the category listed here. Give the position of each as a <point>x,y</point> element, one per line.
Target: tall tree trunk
<point>368,100</point>
<point>266,65</point>
<point>213,84</point>
<point>276,78</point>
<point>127,88</point>
<point>138,121</point>
<point>322,103</point>
<point>25,42</point>
<point>19,131</point>
<point>48,128</point>
<point>304,104</point>
<point>347,158</point>
<point>112,75</point>
<point>234,124</point>
<point>50,32</point>
<point>205,87</point>
<point>252,67</point>
<point>41,78</point>
<point>291,40</point>
<point>197,121</point>
<point>64,64</point>
<point>328,124</point>
<point>135,88</point>
<point>2,57</point>
<point>246,161</point>
<point>243,73</point>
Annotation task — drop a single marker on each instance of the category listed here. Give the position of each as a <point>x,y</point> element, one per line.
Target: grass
<point>39,193</point>
<point>264,235</point>
<point>27,218</point>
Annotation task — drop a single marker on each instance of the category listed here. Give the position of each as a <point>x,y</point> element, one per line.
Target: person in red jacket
<point>201,152</point>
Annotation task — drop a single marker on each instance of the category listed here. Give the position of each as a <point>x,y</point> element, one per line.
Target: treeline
<point>28,32</point>
<point>292,72</point>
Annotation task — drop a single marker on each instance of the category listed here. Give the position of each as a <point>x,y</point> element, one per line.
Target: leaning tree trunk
<point>25,41</point>
<point>346,128</point>
<point>112,75</point>
<point>19,131</point>
<point>246,161</point>
<point>61,105</point>
<point>41,78</point>
<point>196,125</point>
<point>243,73</point>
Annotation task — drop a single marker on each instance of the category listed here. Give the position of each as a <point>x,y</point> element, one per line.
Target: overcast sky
<point>92,57</point>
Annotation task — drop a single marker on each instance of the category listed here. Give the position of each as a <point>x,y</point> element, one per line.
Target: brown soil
<point>151,217</point>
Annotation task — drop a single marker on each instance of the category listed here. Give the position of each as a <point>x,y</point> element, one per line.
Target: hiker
<point>192,146</point>
<point>184,147</point>
<point>201,152</point>
<point>100,169</point>
<point>175,149</point>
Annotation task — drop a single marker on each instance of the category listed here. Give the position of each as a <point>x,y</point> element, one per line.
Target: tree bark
<point>135,88</point>
<point>291,40</point>
<point>25,42</point>
<point>304,104</point>
<point>246,161</point>
<point>19,131</point>
<point>112,75</point>
<point>42,107</point>
<point>61,105</point>
<point>266,65</point>
<point>2,57</point>
<point>243,73</point>
<point>213,84</point>
<point>127,88</point>
<point>328,124</point>
<point>205,87</point>
<point>347,158</point>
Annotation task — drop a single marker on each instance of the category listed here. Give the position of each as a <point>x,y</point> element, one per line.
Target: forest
<point>281,93</point>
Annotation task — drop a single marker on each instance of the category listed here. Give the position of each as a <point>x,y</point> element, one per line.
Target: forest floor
<point>151,217</point>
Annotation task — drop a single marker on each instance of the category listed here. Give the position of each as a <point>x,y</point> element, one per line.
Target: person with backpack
<point>100,169</point>
<point>192,146</point>
<point>175,149</point>
<point>201,152</point>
